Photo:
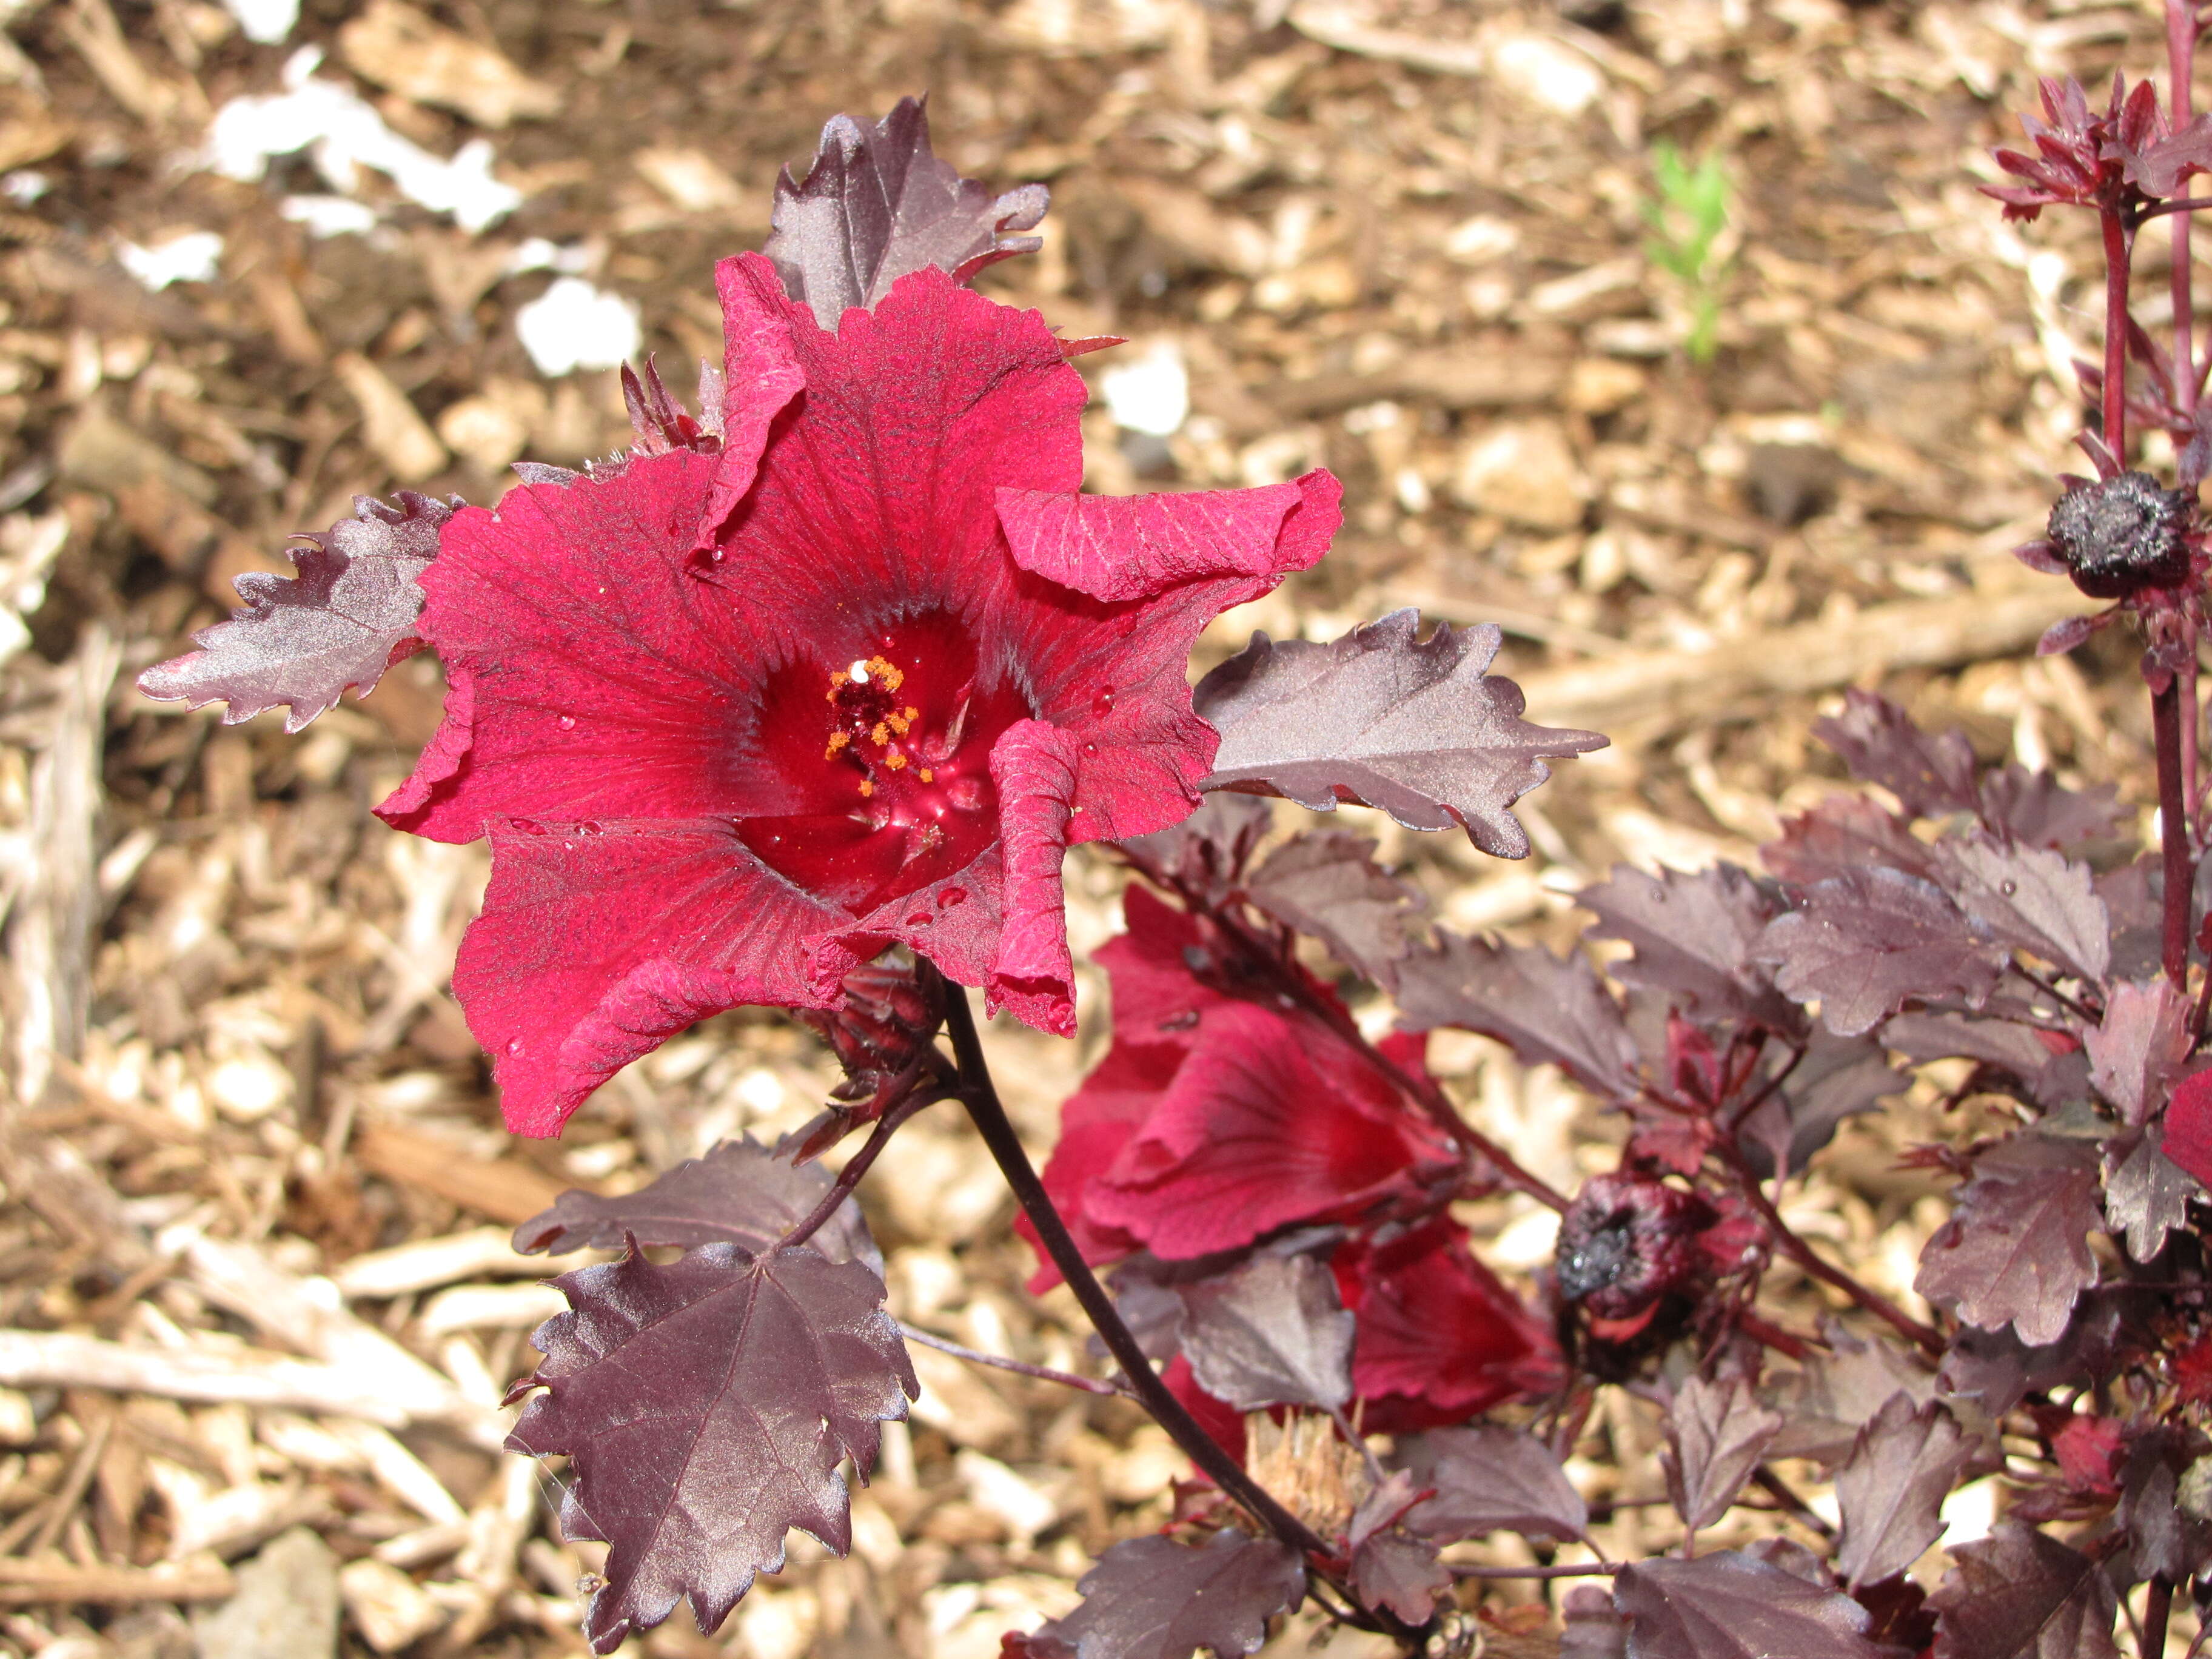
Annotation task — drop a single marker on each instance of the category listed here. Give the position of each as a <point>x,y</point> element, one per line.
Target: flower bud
<point>2121,535</point>
<point>1627,1241</point>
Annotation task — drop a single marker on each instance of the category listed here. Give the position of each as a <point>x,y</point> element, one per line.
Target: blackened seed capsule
<point>2122,535</point>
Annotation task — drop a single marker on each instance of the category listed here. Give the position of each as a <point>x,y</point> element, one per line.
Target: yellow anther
<point>837,740</point>
<point>913,713</point>
<point>839,679</point>
<point>867,787</point>
<point>895,760</point>
<point>925,774</point>
<point>898,723</point>
<point>881,735</point>
<point>889,673</point>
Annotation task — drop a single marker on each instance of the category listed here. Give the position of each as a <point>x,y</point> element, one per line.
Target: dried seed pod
<point>1627,1241</point>
<point>2121,535</point>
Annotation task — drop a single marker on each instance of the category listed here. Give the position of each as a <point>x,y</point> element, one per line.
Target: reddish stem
<point>2180,64</point>
<point>2172,830</point>
<point>856,1166</point>
<point>2115,433</point>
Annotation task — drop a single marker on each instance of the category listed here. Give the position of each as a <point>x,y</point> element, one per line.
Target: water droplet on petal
<point>590,827</point>
<point>514,1045</point>
<point>567,722</point>
<point>567,846</point>
<point>951,897</point>
<point>1089,748</point>
<point>1103,704</point>
<point>716,555</point>
<point>2008,887</point>
<point>920,919</point>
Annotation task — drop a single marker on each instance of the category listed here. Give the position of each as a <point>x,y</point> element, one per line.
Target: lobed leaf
<point>1270,1333</point>
<point>2032,809</point>
<point>1488,1478</point>
<point>1548,1009</point>
<point>704,1408</point>
<point>1733,1605</point>
<point>1208,851</point>
<point>2147,1194</point>
<point>2019,1594</point>
<point>1153,1598</point>
<point>2040,901</point>
<point>1391,1567</point>
<point>1327,884</point>
<point>1844,833</point>
<point>1383,719</point>
<point>1694,937</point>
<point>877,204</point>
<point>2015,1251</point>
<point>1866,942</point>
<point>1891,1489</point>
<point>1930,775</point>
<point>1836,1079</point>
<point>2139,1046</point>
<point>740,1193</point>
<point>1716,1432</point>
<point>1840,1391</point>
<point>347,616</point>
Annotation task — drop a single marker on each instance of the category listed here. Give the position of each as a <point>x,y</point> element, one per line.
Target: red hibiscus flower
<point>739,715</point>
<point>1213,1120</point>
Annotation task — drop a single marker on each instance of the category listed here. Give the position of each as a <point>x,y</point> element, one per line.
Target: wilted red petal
<point>1034,767</point>
<point>1127,547</point>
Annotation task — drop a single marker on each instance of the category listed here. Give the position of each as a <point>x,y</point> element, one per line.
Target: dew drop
<point>514,1045</point>
<point>951,897</point>
<point>1103,704</point>
<point>529,826</point>
<point>920,919</point>
<point>567,722</point>
<point>2008,887</point>
<point>590,827</point>
<point>1089,748</point>
<point>567,846</point>
<point>716,555</point>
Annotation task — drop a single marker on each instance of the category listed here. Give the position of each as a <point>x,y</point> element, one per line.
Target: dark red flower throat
<point>891,750</point>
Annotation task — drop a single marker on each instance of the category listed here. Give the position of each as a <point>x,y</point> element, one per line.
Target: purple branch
<point>1020,1367</point>
<point>2115,435</point>
<point>856,1166</point>
<point>2172,829</point>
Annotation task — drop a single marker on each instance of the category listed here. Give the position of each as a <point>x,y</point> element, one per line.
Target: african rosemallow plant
<point>802,702</point>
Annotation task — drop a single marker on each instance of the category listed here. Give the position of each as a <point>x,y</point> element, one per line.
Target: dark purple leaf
<point>1391,1567</point>
<point>1489,1478</point>
<point>2131,899</point>
<point>1153,1598</point>
<point>2015,1251</point>
<point>1272,1333</point>
<point>1327,884</point>
<point>1716,1432</point>
<point>2158,168</point>
<point>1208,851</point>
<point>1383,719</point>
<point>1839,1392</point>
<point>1837,1078</point>
<point>2019,1594</point>
<point>2065,633</point>
<point>348,615</point>
<point>1996,1370</point>
<point>2169,1541</point>
<point>1549,1010</point>
<point>739,1194</point>
<point>704,1408</point>
<point>2036,899</point>
<point>1732,1605</point>
<point>2139,1049</point>
<point>877,204</point>
<point>2002,1043</point>
<point>1893,1485</point>
<point>1930,775</point>
<point>1593,1630</point>
<point>1868,941</point>
<point>2033,809</point>
<point>1694,936</point>
<point>2147,1194</point>
<point>1842,833</point>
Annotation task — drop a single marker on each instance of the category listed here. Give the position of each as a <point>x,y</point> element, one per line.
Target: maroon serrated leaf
<point>704,1408</point>
<point>1208,851</point>
<point>1549,1010</point>
<point>1733,1605</point>
<point>1842,833</point>
<point>1694,935</point>
<point>2147,1194</point>
<point>1836,1078</point>
<point>1839,1392</point>
<point>1891,1488</point>
<point>1716,1432</point>
<point>2031,897</point>
<point>1153,1598</point>
<point>877,204</point>
<point>1871,940</point>
<point>1487,1479</point>
<point>1930,775</point>
<point>304,641</point>
<point>739,1194</point>
<point>2033,809</point>
<point>1271,1332</point>
<point>1383,719</point>
<point>1397,1571</point>
<point>2020,1594</point>
<point>2014,1251</point>
<point>2140,1046</point>
<point>2002,1043</point>
<point>1593,1630</point>
<point>1326,883</point>
<point>1996,1370</point>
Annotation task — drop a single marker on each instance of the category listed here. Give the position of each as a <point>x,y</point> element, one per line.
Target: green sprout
<point>1687,222</point>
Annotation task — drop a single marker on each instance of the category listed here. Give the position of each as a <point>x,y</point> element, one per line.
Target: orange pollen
<point>838,681</point>
<point>898,723</point>
<point>867,787</point>
<point>837,740</point>
<point>895,760</point>
<point>912,715</point>
<point>881,735</point>
<point>891,675</point>
<point>925,774</point>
